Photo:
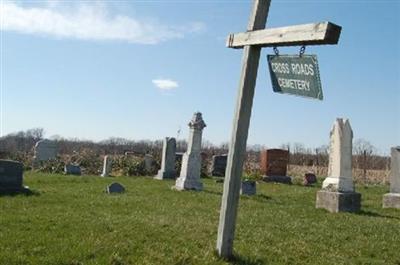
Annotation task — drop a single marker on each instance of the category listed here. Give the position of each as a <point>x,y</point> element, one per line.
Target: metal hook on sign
<point>302,50</point>
<point>276,51</point>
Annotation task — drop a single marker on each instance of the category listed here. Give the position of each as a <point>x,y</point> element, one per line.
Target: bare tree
<point>363,152</point>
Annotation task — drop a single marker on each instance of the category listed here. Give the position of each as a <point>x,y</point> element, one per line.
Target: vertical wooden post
<point>237,146</point>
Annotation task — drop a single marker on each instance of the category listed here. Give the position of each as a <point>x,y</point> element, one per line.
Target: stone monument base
<point>391,200</point>
<point>165,175</point>
<point>336,202</point>
<point>188,184</point>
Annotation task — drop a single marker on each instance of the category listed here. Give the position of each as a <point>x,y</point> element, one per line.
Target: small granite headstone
<point>115,188</point>
<point>309,179</point>
<point>248,188</point>
<point>273,162</point>
<point>218,165</point>
<point>11,176</point>
<point>72,170</point>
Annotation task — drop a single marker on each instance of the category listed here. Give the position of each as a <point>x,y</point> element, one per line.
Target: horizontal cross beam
<point>307,34</point>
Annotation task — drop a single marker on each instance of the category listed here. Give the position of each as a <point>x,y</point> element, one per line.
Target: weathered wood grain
<point>307,34</point>
<point>241,122</point>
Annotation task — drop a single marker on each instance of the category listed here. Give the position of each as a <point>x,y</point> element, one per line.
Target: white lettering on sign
<point>281,68</point>
<point>302,69</point>
<point>294,84</point>
<point>295,68</point>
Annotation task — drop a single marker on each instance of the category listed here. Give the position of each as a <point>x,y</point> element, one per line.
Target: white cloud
<point>88,22</point>
<point>165,84</point>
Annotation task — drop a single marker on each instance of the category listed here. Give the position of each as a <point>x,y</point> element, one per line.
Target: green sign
<point>296,75</point>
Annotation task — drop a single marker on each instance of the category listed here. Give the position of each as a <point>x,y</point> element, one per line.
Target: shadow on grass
<point>213,192</point>
<point>373,214</point>
<point>258,197</point>
<point>26,192</point>
<point>241,260</point>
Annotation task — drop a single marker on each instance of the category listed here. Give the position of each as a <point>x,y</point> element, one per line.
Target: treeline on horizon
<point>20,144</point>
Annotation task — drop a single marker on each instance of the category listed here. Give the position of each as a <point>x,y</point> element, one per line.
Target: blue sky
<point>139,69</point>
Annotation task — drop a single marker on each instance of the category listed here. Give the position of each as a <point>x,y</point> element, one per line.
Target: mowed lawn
<point>71,220</point>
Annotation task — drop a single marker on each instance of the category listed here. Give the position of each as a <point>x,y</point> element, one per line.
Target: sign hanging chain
<point>302,50</point>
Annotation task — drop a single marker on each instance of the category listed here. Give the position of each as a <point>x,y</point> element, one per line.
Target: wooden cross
<point>252,41</point>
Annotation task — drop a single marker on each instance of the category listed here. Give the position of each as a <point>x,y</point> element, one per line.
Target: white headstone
<point>107,165</point>
<point>45,150</point>
<point>395,170</point>
<point>392,199</point>
<point>191,161</point>
<point>167,170</point>
<point>340,158</point>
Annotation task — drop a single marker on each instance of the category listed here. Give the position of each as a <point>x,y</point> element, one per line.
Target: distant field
<point>70,220</point>
<point>372,176</point>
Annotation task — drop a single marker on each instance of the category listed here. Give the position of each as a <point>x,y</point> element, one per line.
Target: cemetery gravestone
<point>248,188</point>
<point>218,165</point>
<point>107,166</point>
<point>337,194</point>
<point>309,179</point>
<point>72,170</point>
<point>148,163</point>
<point>11,176</point>
<point>115,188</point>
<point>273,164</point>
<point>167,170</point>
<point>45,150</point>
<point>191,162</point>
<point>392,199</point>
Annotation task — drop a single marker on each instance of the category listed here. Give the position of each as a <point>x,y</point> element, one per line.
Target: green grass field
<point>71,220</point>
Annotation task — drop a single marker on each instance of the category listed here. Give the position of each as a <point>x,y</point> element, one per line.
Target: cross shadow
<point>241,260</point>
<point>213,192</point>
<point>263,197</point>
<point>374,214</point>
<point>257,197</point>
